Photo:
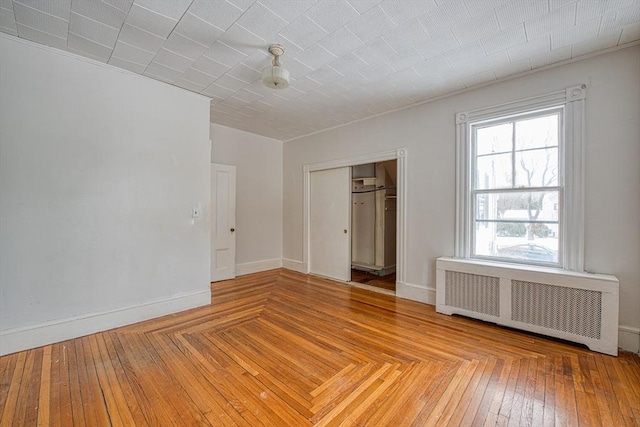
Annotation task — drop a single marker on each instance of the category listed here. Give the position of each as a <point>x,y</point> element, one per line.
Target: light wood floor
<point>284,349</point>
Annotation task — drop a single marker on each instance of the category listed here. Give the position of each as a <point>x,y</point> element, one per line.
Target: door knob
<point>233,229</point>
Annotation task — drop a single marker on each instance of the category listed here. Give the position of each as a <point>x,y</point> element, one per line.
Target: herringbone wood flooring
<point>284,349</point>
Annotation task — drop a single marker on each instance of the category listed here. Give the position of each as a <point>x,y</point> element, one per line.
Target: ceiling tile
<point>324,75</point>
<point>477,28</point>
<point>88,48</point>
<point>247,95</point>
<point>477,8</point>
<point>552,21</point>
<point>92,30</point>
<point>140,38</point>
<point>260,59</point>
<point>444,16</point>
<point>220,13</point>
<point>231,83</point>
<point>224,54</point>
<point>41,21</point>
<point>371,24</point>
<point>58,8</point>
<point>404,11</point>
<point>590,46</point>
<point>375,51</point>
<point>590,9</point>
<point>437,46</point>
<point>198,30</point>
<point>404,59</point>
<point>173,9</point>
<point>557,55</point>
<point>198,77</point>
<point>513,13</point>
<point>315,57</point>
<point>620,19</point>
<point>244,73</point>
<point>512,68</point>
<point>331,15</point>
<point>187,47</point>
<point>129,53</point>
<point>261,21</point>
<point>530,48</point>
<point>340,42</point>
<point>576,34</point>
<point>189,85</point>
<point>150,21</point>
<point>163,73</point>
<point>437,65</point>
<point>287,9</point>
<point>465,53</point>
<point>411,33</point>
<point>8,21</point>
<point>123,5</point>
<point>363,5</point>
<point>242,39</point>
<point>297,68</point>
<point>173,60</point>
<point>101,12</point>
<point>131,66</point>
<point>349,63</point>
<point>303,32</point>
<point>504,39</point>
<point>210,66</point>
<point>41,37</point>
<point>630,34</point>
<point>216,90</point>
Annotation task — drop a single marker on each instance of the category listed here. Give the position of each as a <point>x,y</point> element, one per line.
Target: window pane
<point>494,139</point>
<point>537,133</point>
<point>518,225</point>
<point>494,171</point>
<point>537,168</point>
<point>529,206</point>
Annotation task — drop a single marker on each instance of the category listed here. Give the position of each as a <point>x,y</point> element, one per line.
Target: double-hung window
<point>519,170</point>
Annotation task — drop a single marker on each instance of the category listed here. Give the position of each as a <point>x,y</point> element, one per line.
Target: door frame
<point>401,156</point>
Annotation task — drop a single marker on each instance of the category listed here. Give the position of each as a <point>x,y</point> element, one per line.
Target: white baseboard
<point>258,266</point>
<point>629,338</point>
<point>18,339</point>
<point>416,293</point>
<point>294,265</point>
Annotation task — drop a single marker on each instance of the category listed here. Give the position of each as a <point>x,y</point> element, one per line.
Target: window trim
<point>571,168</point>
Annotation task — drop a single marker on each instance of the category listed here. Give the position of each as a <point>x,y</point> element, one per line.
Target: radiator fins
<point>576,311</point>
<point>473,292</point>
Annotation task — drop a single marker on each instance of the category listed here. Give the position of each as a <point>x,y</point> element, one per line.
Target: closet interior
<point>373,221</point>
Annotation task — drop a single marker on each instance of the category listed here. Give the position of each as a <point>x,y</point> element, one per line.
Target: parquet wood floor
<point>283,349</point>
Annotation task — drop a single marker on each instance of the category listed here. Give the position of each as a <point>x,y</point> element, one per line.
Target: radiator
<point>578,307</point>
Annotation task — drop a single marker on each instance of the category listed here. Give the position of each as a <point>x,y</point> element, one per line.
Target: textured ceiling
<point>348,59</point>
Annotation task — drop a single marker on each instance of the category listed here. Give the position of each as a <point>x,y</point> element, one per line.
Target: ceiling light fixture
<point>275,76</point>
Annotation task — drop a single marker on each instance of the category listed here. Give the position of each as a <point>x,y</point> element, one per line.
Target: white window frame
<point>571,170</point>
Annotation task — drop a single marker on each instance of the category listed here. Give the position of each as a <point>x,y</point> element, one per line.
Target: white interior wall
<point>258,162</point>
<point>612,199</point>
<point>99,171</point>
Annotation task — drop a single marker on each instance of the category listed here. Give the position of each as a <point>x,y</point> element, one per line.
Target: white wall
<point>99,171</point>
<point>612,235</point>
<point>258,162</point>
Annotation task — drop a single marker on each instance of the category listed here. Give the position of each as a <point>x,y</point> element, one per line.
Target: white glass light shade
<point>275,77</point>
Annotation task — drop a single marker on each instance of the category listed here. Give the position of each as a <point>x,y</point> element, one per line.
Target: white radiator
<point>578,307</point>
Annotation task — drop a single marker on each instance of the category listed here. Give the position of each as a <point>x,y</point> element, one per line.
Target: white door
<point>223,222</point>
<point>330,223</point>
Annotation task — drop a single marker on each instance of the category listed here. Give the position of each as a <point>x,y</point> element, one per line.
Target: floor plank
<point>280,348</point>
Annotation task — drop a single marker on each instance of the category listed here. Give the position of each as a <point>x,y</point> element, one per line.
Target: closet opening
<point>373,224</point>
